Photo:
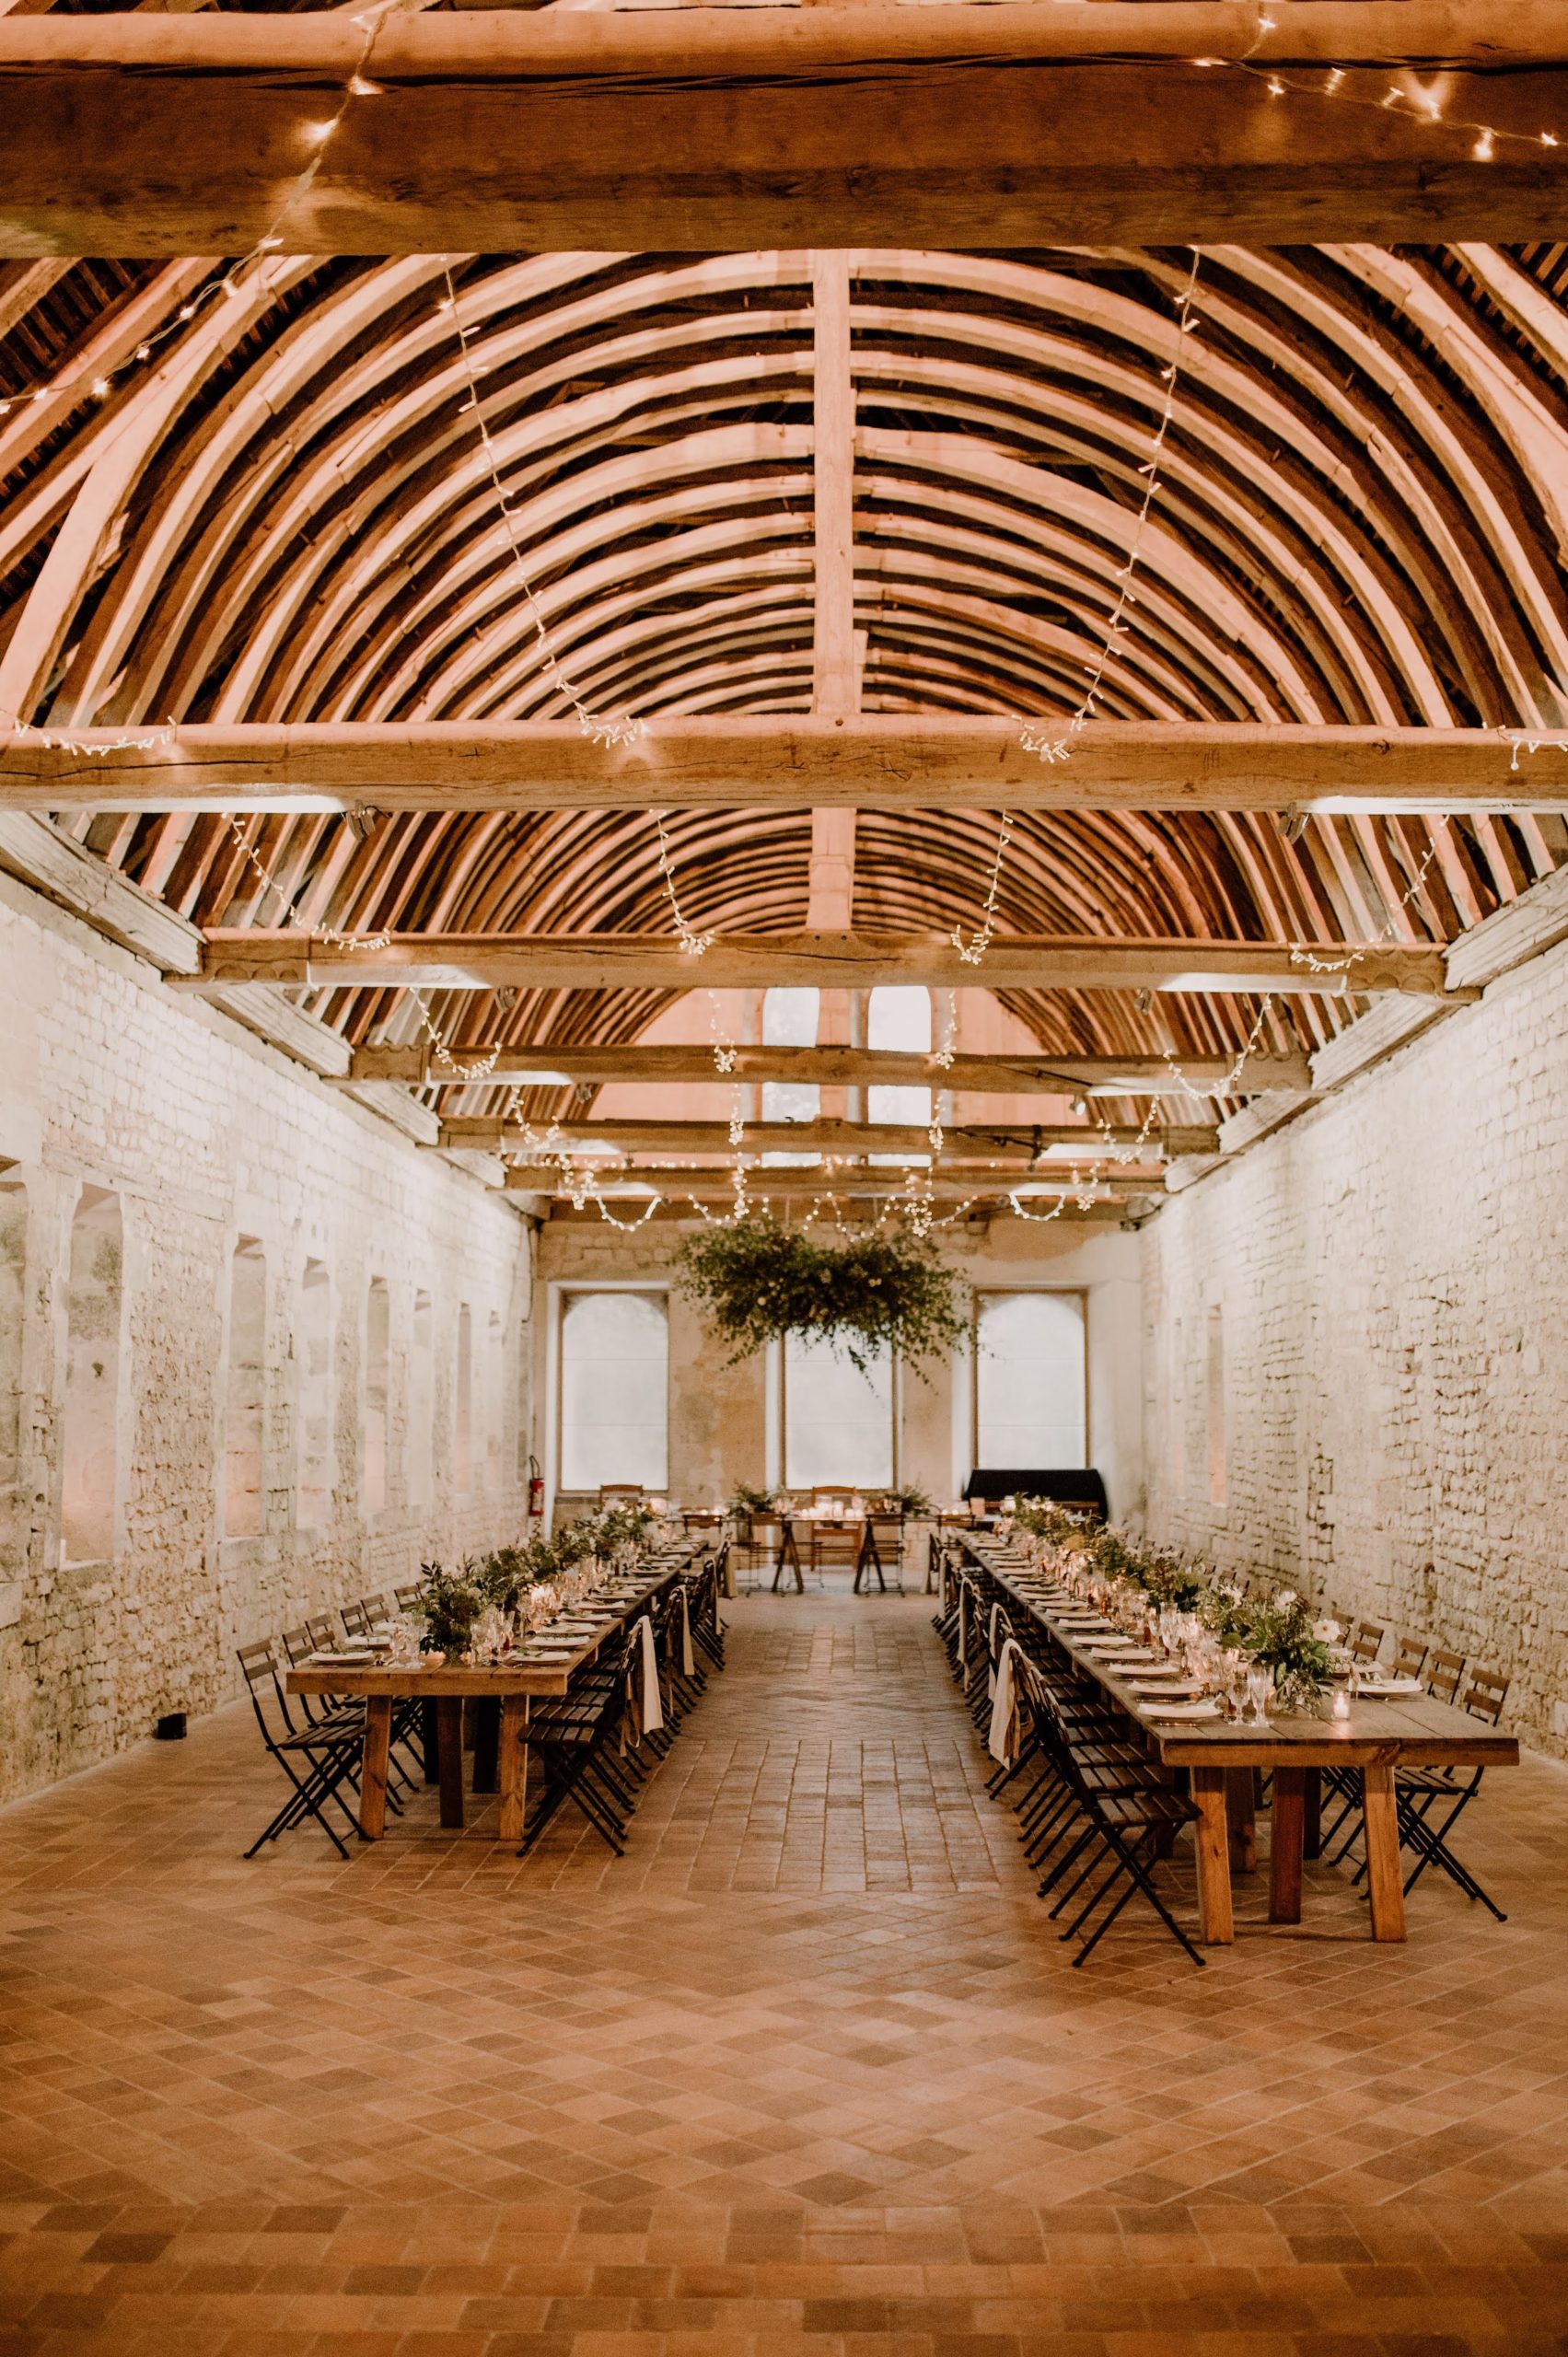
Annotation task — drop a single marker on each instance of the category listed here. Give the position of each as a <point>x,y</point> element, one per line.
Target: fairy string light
<point>1534,745</point>
<point>1309,962</point>
<point>329,934</point>
<point>602,731</point>
<point>480,1068</point>
<point>1056,745</point>
<point>1328,86</point>
<point>99,382</point>
<point>55,740</point>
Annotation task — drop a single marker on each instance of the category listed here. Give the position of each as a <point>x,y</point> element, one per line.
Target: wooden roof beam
<point>725,130</point>
<point>848,1211</point>
<point>544,1065</point>
<point>935,762</point>
<point>805,1186</point>
<point>487,1133</point>
<point>603,961</point>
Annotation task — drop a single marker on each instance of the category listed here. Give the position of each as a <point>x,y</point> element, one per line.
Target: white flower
<point>1287,1597</point>
<point>1327,1631</point>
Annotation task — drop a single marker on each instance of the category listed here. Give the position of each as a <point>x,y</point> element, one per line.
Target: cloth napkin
<point>963,1625</point>
<point>990,1649</point>
<point>688,1659</point>
<point>1003,1739</point>
<point>651,1711</point>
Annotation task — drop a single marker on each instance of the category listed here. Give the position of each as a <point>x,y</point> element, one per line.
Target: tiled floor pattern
<point>806,2074</point>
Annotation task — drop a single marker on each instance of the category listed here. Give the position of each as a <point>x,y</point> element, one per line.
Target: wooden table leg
<point>511,1765</point>
<point>1312,1829</point>
<point>1211,1840</point>
<point>486,1719</point>
<point>373,1770</point>
<point>1241,1813</point>
<point>1384,1884</point>
<point>428,1739</point>
<point>449,1757</point>
<point>1285,1864</point>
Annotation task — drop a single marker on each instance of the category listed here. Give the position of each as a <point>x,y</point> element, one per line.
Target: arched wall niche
<point>245,1393</point>
<point>376,1439</point>
<point>14,1519</point>
<point>90,1453</point>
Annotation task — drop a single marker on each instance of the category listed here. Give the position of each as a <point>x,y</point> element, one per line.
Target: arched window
<point>614,1389</point>
<point>838,1423</point>
<point>789,1020</point>
<point>244,1415</point>
<point>1031,1381</point>
<point>462,1406</point>
<point>315,1504</point>
<point>378,1381</point>
<point>89,1450</point>
<point>899,1016</point>
<point>421,1437</point>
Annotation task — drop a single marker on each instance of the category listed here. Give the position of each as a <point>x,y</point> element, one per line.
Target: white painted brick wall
<point>1394,1291</point>
<point>107,1077</point>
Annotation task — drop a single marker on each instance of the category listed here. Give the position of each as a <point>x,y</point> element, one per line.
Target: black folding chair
<point>318,1760</point>
<point>881,1550</point>
<point>341,1714</point>
<point>1117,1816</point>
<point>1423,1794</point>
<point>575,1744</point>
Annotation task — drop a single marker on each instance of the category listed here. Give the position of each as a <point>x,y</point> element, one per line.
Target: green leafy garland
<point>757,1280</point>
<point>451,1602</point>
<point>1278,1634</point>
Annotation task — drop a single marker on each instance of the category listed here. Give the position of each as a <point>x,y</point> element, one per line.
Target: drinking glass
<point>1259,1687</point>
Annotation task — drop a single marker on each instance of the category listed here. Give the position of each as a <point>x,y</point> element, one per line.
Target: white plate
<point>1152,1710</point>
<point>1384,1689</point>
<point>362,1660</point>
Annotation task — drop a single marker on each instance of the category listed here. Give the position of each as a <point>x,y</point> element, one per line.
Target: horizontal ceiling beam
<point>868,762</point>
<point>847,1210</point>
<point>725,130</point>
<point>605,961</point>
<point>542,1064</point>
<point>807,1186</point>
<point>485,1134</point>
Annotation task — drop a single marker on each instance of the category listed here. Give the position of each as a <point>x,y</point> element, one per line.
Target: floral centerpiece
<point>449,1604</point>
<point>1277,1636</point>
<point>469,1611</point>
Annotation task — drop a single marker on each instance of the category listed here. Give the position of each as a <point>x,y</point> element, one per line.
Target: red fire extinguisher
<point>536,1491</point>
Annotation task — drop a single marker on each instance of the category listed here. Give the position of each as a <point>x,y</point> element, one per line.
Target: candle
<point>1342,1704</point>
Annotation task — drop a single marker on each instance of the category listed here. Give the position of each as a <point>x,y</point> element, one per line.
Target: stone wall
<point>720,1416</point>
<point>167,1185</point>
<point>1356,1347</point>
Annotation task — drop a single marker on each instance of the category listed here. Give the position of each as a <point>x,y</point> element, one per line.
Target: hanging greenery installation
<point>757,1280</point>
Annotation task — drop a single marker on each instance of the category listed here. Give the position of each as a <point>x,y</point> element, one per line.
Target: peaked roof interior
<point>290,518</point>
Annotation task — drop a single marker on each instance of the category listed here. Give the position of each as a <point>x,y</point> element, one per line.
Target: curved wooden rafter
<point>290,517</point>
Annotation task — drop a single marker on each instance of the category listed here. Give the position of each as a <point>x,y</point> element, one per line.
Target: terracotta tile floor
<point>805,2075</point>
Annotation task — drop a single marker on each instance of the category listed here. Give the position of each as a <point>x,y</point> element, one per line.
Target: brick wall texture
<point>1378,1412</point>
<point>203,1135</point>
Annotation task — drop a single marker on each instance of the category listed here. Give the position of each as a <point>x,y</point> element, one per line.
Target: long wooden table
<point>513,1688</point>
<point>1378,1738</point>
